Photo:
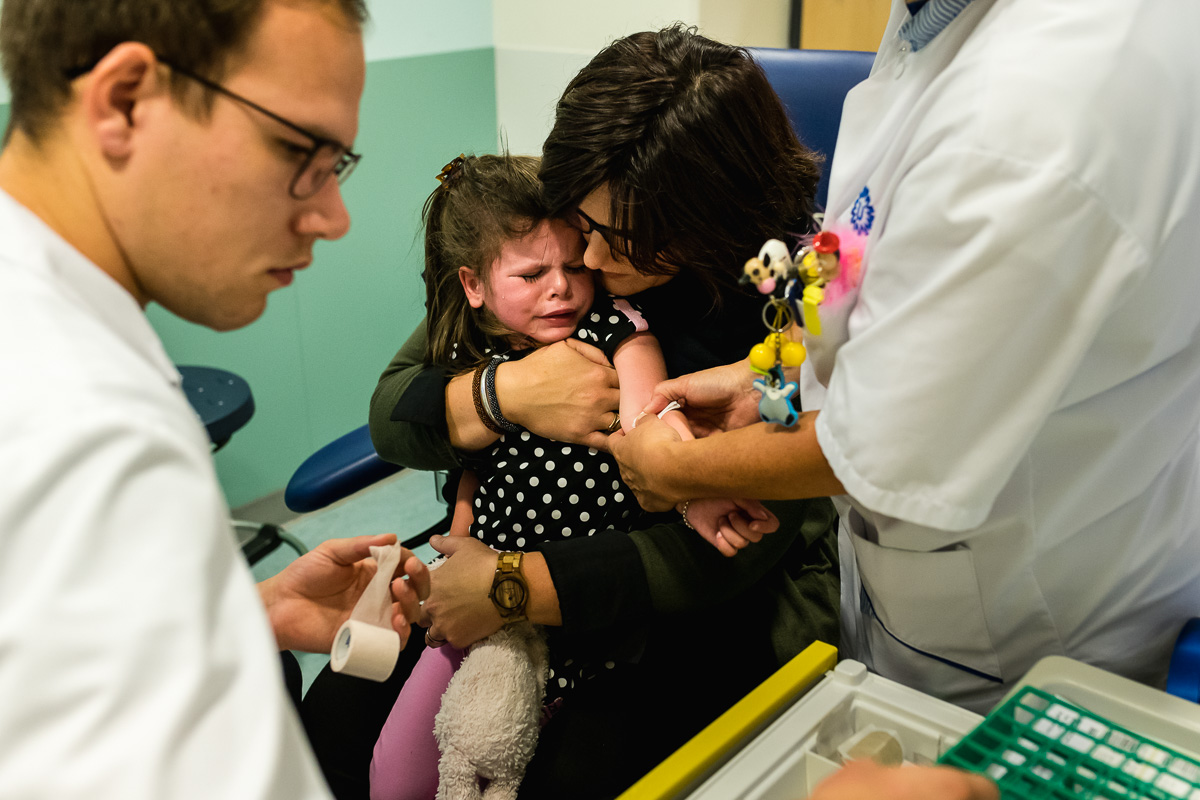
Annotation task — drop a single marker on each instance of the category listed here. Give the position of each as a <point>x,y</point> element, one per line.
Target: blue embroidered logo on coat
<point>862,215</point>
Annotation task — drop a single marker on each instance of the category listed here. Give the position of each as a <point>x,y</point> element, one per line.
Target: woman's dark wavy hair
<point>482,202</point>
<point>701,161</point>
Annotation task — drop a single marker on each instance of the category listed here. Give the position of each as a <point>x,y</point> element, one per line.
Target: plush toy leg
<point>502,789</point>
<point>488,722</point>
<point>458,779</point>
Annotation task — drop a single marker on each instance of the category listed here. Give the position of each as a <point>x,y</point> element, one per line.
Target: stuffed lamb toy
<point>491,713</point>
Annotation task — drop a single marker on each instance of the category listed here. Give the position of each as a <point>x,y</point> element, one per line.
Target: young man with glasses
<point>160,151</point>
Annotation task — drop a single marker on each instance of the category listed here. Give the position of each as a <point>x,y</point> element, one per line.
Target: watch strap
<point>509,576</point>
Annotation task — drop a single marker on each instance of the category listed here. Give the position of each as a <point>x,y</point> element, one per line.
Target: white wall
<point>400,28</point>
<point>541,44</point>
<point>760,23</point>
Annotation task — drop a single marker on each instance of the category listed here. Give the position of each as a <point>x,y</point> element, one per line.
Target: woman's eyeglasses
<point>611,236</point>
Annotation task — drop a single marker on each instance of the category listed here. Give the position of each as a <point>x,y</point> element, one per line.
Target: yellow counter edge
<point>729,730</point>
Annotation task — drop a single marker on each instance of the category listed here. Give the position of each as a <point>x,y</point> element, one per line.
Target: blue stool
<point>341,468</point>
<point>337,470</point>
<point>224,404</point>
<point>222,400</point>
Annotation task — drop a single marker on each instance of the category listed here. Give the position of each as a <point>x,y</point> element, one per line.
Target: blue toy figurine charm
<point>776,402</point>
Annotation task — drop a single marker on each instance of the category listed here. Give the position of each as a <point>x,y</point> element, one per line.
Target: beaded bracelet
<point>477,395</point>
<point>493,405</point>
<point>683,513</point>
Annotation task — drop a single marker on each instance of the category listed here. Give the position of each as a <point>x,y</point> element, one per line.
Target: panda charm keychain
<point>794,294</point>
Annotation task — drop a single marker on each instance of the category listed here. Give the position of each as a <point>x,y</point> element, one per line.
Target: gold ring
<point>614,425</point>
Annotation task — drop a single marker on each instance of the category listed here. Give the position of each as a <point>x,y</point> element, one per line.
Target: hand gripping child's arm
<point>725,523</point>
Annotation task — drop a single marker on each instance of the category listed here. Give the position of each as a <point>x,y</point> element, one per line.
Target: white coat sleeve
<point>981,295</point>
<point>135,656</point>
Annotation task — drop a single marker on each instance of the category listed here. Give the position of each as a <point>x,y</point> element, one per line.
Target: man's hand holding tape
<point>310,599</point>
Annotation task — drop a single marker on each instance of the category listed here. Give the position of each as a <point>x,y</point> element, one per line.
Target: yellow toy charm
<point>776,349</point>
<point>818,266</point>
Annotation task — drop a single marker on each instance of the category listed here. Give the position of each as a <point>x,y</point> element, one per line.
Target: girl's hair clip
<point>451,169</point>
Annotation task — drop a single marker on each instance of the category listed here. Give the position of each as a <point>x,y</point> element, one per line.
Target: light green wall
<point>313,358</point>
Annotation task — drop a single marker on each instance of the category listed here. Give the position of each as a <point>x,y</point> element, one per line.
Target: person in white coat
<point>142,165</point>
<point>1005,392</point>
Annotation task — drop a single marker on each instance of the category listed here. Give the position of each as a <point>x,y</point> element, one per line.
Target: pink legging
<point>405,763</point>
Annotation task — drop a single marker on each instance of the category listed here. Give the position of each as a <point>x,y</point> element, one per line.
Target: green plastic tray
<point>1037,745</point>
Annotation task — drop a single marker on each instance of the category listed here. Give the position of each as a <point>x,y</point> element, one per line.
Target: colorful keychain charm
<point>768,359</point>
<point>795,287</point>
<point>818,266</point>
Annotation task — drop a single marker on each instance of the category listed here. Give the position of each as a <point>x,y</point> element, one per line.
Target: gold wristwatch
<point>510,591</point>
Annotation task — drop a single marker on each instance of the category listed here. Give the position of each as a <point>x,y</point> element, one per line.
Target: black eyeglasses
<point>585,225</point>
<point>326,157</point>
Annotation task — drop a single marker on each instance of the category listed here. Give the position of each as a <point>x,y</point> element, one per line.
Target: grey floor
<point>405,504</point>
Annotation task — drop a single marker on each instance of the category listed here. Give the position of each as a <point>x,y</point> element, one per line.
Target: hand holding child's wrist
<point>671,466</point>
<point>660,470</point>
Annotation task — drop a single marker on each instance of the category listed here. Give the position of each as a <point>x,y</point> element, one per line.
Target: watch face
<point>510,593</point>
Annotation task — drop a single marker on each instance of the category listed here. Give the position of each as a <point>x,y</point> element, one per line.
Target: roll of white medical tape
<point>366,646</point>
<point>364,650</point>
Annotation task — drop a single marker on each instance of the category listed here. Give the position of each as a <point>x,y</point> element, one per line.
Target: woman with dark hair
<point>674,157</point>
<point>681,145</point>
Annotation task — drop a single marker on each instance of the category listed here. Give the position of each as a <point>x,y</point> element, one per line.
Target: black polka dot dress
<point>533,490</point>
